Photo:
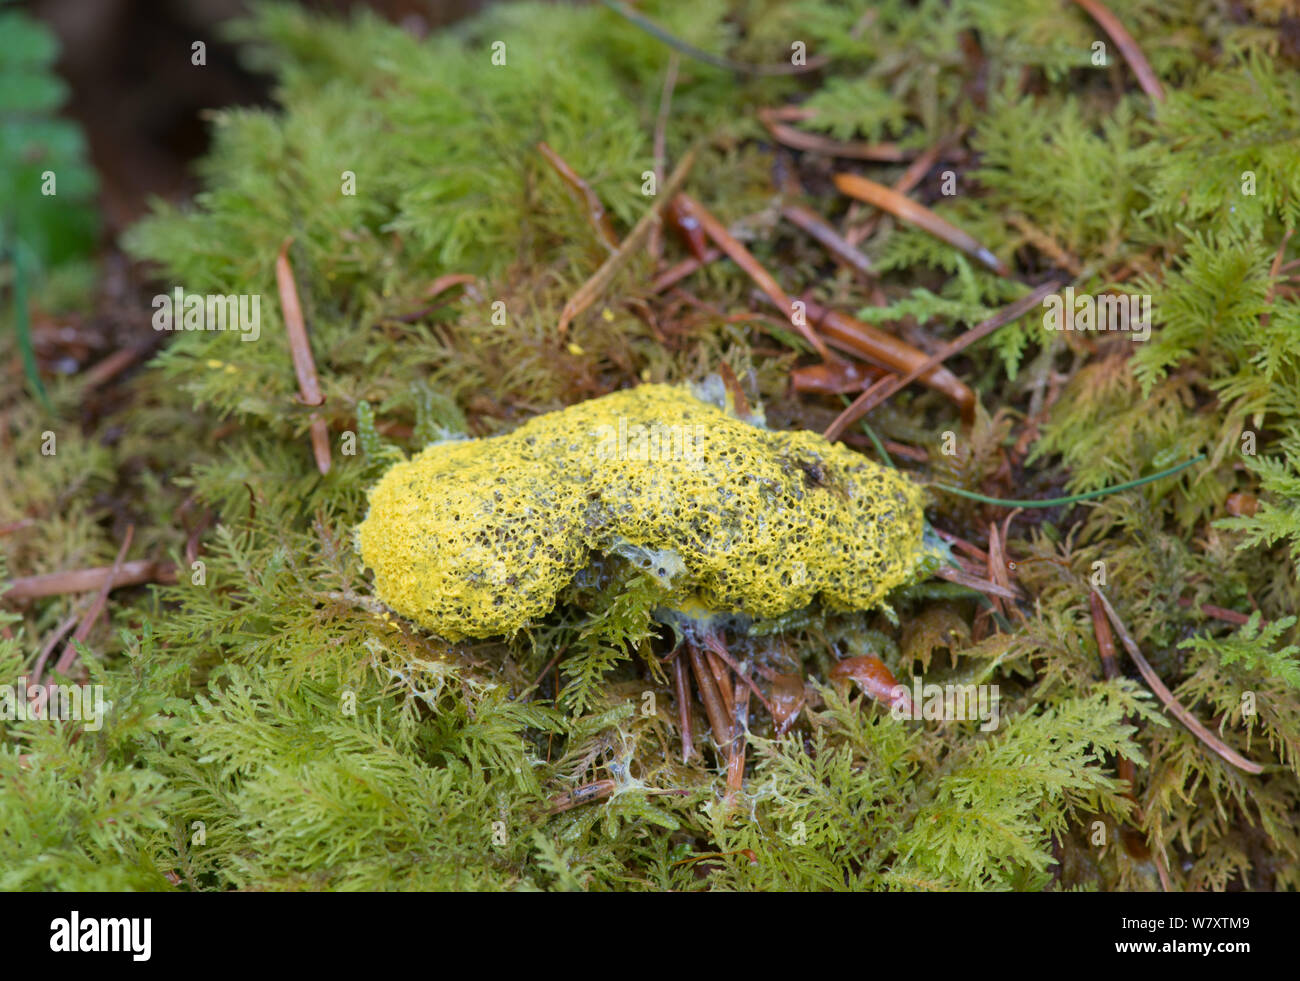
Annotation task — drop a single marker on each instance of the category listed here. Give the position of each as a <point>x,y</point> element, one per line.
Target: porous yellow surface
<point>476,538</point>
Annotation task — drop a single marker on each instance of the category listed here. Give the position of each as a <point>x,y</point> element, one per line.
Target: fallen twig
<point>596,213</point>
<point>820,229</point>
<point>676,273</point>
<point>650,27</point>
<point>304,365</point>
<point>833,377</point>
<point>856,337</point>
<point>886,387</point>
<point>1127,47</point>
<point>912,176</point>
<point>1171,703</point>
<point>908,210</point>
<point>655,245</point>
<point>87,580</point>
<point>813,143</point>
<point>974,582</point>
<point>743,258</point>
<point>590,291</point>
<point>69,655</point>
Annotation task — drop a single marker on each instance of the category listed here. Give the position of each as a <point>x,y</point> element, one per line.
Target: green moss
<point>274,728</point>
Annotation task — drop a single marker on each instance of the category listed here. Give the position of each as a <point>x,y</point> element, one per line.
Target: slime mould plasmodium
<point>476,538</point>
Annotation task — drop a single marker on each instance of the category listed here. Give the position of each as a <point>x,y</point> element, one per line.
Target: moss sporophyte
<point>476,538</point>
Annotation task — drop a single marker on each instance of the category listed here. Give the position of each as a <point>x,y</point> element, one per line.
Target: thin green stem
<point>650,27</point>
<point>1074,498</point>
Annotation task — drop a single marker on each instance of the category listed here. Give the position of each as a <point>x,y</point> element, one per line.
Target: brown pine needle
<point>304,365</point>
<point>683,686</point>
<point>886,387</point>
<point>52,642</point>
<point>833,377</point>
<point>820,229</point>
<point>1110,668</point>
<point>905,209</point>
<point>875,345</point>
<point>719,720</point>
<point>739,725</point>
<point>655,246</point>
<point>742,257</point>
<point>446,282</point>
<point>1175,708</point>
<point>595,208</point>
<point>715,646</point>
<point>69,655</point>
<point>88,580</point>
<point>320,441</point>
<point>813,143</point>
<point>912,176</point>
<point>1127,47</point>
<point>590,291</point>
<point>974,582</point>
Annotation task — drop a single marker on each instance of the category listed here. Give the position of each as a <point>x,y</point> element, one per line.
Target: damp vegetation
<point>464,261</point>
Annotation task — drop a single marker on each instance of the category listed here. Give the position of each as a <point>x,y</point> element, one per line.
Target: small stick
<point>1273,273</point>
<point>884,349</point>
<point>820,229</point>
<point>718,719</point>
<point>1170,702</point>
<point>684,706</point>
<point>723,680</point>
<point>676,273</point>
<point>815,143</point>
<point>833,377</point>
<point>972,550</point>
<point>88,580</point>
<point>304,365</point>
<point>974,582</point>
<point>655,245</point>
<point>114,365</point>
<point>596,213</point>
<point>715,645</point>
<point>738,397</point>
<point>736,760</point>
<point>1123,765</point>
<point>69,655</point>
<point>446,282</point>
<point>873,396</point>
<point>1218,612</point>
<point>650,27</point>
<point>908,210</point>
<point>912,176</point>
<point>48,647</point>
<point>743,258</point>
<point>590,291</point>
<point>1109,668</point>
<point>542,676</point>
<point>584,794</point>
<point>1127,47</point>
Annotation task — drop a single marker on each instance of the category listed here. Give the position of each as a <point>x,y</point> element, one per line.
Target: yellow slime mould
<point>475,538</point>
